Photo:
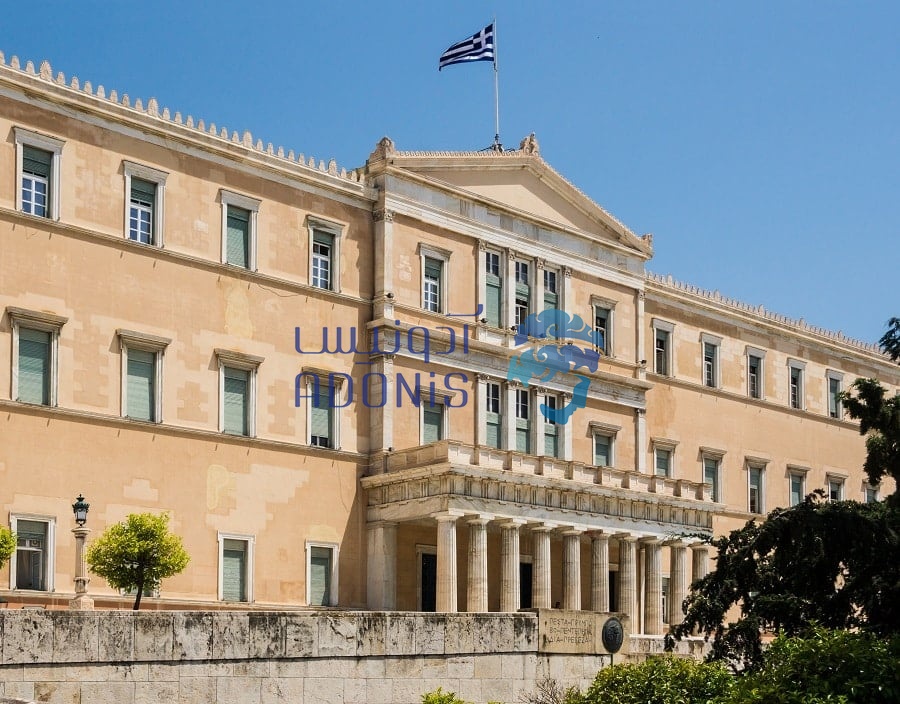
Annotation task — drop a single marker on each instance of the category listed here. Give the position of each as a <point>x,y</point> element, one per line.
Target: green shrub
<point>439,696</point>
<point>824,666</point>
<point>663,680</point>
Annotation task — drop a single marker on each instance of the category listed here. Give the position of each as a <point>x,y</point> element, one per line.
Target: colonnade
<point>639,591</point>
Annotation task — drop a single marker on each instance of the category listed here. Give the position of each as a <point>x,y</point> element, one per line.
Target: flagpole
<point>497,146</point>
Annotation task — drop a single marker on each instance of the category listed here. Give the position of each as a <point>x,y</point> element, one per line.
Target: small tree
<point>7,545</point>
<point>137,554</point>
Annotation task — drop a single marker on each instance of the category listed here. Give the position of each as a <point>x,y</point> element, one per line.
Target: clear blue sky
<point>759,142</point>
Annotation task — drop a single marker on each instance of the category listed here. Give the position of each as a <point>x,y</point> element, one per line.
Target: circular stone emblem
<point>613,634</point>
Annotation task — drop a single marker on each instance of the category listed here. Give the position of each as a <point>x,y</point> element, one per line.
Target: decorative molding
<point>38,320</point>
<point>383,215</point>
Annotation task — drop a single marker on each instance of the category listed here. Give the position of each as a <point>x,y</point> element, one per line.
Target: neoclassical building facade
<point>324,378</point>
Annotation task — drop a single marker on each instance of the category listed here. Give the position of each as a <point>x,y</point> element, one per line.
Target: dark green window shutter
<point>319,576</point>
<point>433,268</point>
<point>234,570</point>
<point>36,162</point>
<point>493,297</point>
<point>494,424</point>
<point>237,392</point>
<point>141,384</point>
<point>601,450</point>
<point>433,424</point>
<point>551,441</point>
<point>237,245</point>
<point>143,191</point>
<point>34,366</point>
<point>321,415</point>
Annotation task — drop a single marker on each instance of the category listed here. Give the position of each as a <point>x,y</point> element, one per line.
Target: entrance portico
<point>577,534</point>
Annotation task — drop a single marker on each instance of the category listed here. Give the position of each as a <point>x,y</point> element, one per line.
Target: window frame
<point>526,423</point>
<point>799,366</point>
<point>832,375</point>
<point>754,465</point>
<point>501,430</point>
<point>609,431</point>
<point>717,456</point>
<point>548,427</point>
<point>715,343</point>
<point>334,592</point>
<point>529,284</point>
<point>442,256</point>
<point>838,480</point>
<point>664,445</point>
<point>502,286</point>
<point>50,552</point>
<point>335,420</point>
<point>336,231</point>
<point>658,325</point>
<point>244,362</point>
<point>761,373</point>
<point>154,344</point>
<point>598,303</point>
<point>445,421</point>
<point>28,138</point>
<point>250,540</point>
<point>867,487</point>
<point>132,170</point>
<point>42,322</point>
<point>800,473</point>
<point>251,205</point>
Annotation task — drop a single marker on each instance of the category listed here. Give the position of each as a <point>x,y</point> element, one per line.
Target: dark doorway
<point>613,592</point>
<point>525,573</point>
<point>428,577</point>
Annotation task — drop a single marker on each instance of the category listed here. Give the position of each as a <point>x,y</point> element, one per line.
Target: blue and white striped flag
<point>478,47</point>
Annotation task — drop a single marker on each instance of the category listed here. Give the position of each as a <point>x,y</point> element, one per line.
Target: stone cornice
<point>152,123</point>
<point>715,302</point>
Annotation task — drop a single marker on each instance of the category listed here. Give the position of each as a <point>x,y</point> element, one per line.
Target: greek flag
<point>478,47</point>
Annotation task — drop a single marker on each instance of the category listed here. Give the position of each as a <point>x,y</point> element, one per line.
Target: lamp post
<point>82,601</point>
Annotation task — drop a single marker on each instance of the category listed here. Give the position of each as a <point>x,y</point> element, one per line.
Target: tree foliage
<point>665,680</point>
<point>137,554</point>
<point>825,666</point>
<point>879,420</point>
<point>832,563</point>
<point>890,341</point>
<point>7,544</point>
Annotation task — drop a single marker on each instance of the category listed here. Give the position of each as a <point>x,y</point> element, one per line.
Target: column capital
<point>371,525</point>
<point>478,519</point>
<point>700,547</point>
<point>542,527</point>
<point>651,540</point>
<point>383,215</point>
<point>675,543</point>
<point>571,531</point>
<point>598,535</point>
<point>446,516</point>
<point>510,522</point>
<point>625,537</point>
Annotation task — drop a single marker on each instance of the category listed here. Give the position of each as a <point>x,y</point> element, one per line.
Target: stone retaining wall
<point>265,657</point>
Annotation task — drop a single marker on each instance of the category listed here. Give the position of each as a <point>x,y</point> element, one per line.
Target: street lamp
<point>82,601</point>
<point>80,509</point>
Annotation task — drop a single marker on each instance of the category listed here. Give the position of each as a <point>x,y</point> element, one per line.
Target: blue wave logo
<point>563,356</point>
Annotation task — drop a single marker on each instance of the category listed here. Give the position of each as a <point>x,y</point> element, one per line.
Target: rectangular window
<point>661,352</point>
<point>602,316</point>
<point>36,167</point>
<point>37,173</point>
<point>321,570</point>
<point>322,254</point>
<point>34,366</point>
<point>551,293</point>
<point>522,273</point>
<point>551,428</point>
<point>603,445</point>
<point>494,414</point>
<point>835,409</point>
<point>321,417</point>
<point>431,286</point>
<point>871,494</point>
<point>797,492</point>
<point>144,193</point>
<point>32,565</point>
<point>523,421</point>
<point>237,237</point>
<point>236,401</point>
<point>523,292</point>
<point>796,390</point>
<point>663,458</point>
<point>755,490</point>
<point>141,209</point>
<point>664,598</point>
<point>141,381</point>
<point>835,489</point>
<point>432,423</point>
<point>710,364</point>
<point>493,294</point>
<point>754,376</point>
<point>235,571</point>
<point>711,475</point>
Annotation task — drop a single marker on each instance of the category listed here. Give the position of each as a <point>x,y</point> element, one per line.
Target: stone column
<point>699,561</point>
<point>640,440</point>
<point>81,602</point>
<point>446,563</point>
<point>653,587</point>
<point>508,430</point>
<point>540,587</point>
<point>677,575</point>
<point>572,569</point>
<point>477,594</point>
<point>639,336</point>
<point>627,577</point>
<point>510,593</point>
<point>600,572</point>
<point>381,566</point>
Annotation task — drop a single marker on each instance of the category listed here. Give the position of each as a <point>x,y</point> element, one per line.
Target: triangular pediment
<point>519,180</point>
